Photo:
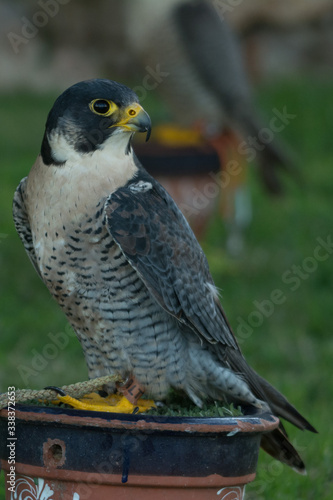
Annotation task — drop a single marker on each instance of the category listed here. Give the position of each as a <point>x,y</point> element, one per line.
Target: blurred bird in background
<point>202,80</point>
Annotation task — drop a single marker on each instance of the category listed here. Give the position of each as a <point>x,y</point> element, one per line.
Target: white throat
<point>101,171</point>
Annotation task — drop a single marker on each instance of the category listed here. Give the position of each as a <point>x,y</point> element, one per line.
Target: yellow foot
<point>113,403</point>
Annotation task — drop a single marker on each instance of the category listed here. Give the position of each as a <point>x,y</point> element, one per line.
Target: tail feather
<point>276,443</point>
<point>281,407</point>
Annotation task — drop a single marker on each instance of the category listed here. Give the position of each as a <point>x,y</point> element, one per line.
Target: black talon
<point>56,389</point>
<point>135,411</point>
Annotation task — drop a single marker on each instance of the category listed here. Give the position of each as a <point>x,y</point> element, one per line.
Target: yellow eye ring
<point>102,107</point>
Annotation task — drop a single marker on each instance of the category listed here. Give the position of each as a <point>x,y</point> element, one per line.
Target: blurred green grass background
<point>292,348</point>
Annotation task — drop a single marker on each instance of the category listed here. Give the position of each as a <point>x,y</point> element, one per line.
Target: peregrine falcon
<point>199,72</point>
<point>119,257</point>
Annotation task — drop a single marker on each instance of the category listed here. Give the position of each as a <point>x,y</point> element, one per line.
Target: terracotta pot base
<point>32,488</point>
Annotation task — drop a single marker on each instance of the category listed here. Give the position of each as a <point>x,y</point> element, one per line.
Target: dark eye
<point>101,107</point>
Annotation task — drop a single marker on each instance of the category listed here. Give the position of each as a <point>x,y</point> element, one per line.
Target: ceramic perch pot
<point>82,455</point>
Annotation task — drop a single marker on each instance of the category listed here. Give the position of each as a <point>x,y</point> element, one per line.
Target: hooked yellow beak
<point>135,118</point>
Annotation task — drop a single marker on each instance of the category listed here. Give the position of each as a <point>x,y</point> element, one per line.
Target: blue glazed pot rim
<point>250,422</point>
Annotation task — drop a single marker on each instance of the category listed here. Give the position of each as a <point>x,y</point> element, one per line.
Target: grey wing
<point>22,223</point>
<point>157,241</point>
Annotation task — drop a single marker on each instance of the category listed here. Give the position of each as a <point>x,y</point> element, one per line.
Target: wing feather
<point>22,223</point>
<point>158,242</point>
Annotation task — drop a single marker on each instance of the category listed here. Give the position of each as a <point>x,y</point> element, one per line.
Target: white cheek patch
<point>61,149</point>
<point>63,146</point>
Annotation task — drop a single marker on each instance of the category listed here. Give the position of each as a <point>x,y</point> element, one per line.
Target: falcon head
<point>87,115</point>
